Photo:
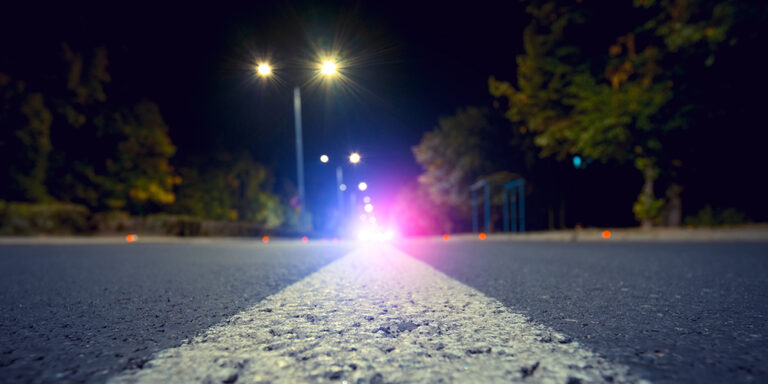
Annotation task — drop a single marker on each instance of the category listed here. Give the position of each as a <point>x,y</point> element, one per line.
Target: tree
<point>230,188</point>
<point>140,168</point>
<point>453,155</point>
<point>25,141</point>
<point>251,186</point>
<point>620,106</point>
<point>108,154</point>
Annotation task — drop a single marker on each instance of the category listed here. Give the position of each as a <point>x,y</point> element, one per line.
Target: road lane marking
<point>378,315</point>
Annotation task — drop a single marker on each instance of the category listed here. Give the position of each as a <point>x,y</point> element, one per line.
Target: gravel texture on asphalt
<point>82,313</point>
<point>673,312</point>
<point>378,316</point>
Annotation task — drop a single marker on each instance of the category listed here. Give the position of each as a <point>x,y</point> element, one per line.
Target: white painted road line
<point>375,316</point>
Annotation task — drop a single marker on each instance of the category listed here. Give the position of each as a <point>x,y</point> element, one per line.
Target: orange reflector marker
<point>446,237</point>
<point>304,239</point>
<point>606,234</point>
<point>265,239</point>
<point>481,236</point>
<point>131,238</point>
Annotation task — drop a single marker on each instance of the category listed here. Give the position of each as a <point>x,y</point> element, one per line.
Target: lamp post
<point>327,68</point>
<point>299,155</point>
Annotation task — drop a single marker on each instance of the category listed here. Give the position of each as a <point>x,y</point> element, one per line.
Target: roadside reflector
<point>131,238</point>
<point>265,239</point>
<point>304,239</point>
<point>606,234</point>
<point>481,236</point>
<point>446,237</point>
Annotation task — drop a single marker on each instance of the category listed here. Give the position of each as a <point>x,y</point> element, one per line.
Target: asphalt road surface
<point>82,313</point>
<point>291,312</point>
<point>674,312</point>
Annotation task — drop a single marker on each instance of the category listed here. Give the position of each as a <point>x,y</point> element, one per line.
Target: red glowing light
<point>606,234</point>
<point>446,237</point>
<point>481,236</point>
<point>304,239</point>
<point>265,239</point>
<point>130,238</point>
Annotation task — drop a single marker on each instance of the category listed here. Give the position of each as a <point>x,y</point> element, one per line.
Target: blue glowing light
<point>577,161</point>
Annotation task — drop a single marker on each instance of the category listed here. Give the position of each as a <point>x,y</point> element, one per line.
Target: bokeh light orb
<point>264,69</point>
<point>362,186</point>
<point>328,68</point>
<point>324,158</point>
<point>354,158</point>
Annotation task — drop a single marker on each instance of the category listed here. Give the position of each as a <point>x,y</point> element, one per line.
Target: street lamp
<point>328,69</point>
<point>324,158</point>
<point>362,186</point>
<point>264,69</point>
<point>354,158</point>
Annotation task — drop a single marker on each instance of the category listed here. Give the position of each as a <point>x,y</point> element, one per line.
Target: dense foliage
<point>627,92</point>
<point>65,142</point>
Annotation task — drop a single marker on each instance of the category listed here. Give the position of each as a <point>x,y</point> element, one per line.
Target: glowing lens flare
<point>264,69</point>
<point>328,68</point>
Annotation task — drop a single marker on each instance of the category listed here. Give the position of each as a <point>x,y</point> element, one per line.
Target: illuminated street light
<point>328,68</point>
<point>354,158</point>
<point>264,69</point>
<point>362,186</point>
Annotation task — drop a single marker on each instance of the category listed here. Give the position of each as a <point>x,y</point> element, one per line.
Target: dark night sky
<point>410,64</point>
